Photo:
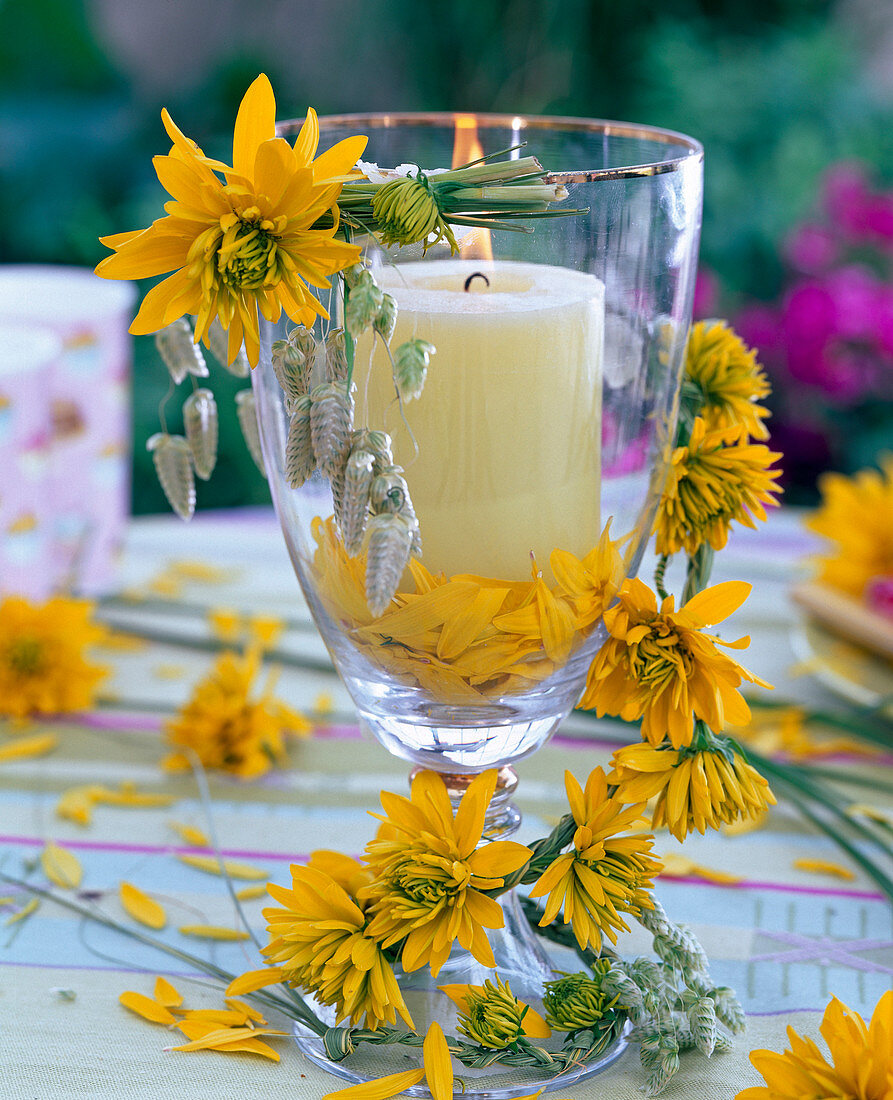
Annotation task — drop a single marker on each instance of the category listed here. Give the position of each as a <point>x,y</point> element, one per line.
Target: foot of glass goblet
<point>522,962</point>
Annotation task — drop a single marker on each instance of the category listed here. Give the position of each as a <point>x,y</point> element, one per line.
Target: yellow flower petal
<point>27,909</point>
<point>535,1026</point>
<point>438,1065</point>
<point>166,994</point>
<point>61,866</point>
<point>141,907</point>
<point>248,893</point>
<point>253,980</point>
<point>190,835</point>
<point>39,745</point>
<point>679,866</point>
<point>147,1008</point>
<point>226,1037</point>
<point>255,122</point>
<point>213,932</point>
<point>824,867</point>
<point>231,867</point>
<point>381,1088</point>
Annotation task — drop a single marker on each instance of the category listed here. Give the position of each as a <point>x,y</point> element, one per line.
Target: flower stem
<point>295,1009</point>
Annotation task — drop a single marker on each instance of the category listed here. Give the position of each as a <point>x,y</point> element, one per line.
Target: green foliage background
<point>774,89</point>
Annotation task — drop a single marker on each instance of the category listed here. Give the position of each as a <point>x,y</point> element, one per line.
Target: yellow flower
<point>729,378</point>
<point>590,583</point>
<point>575,1001</point>
<point>856,516</point>
<point>43,664</point>
<point>437,1073</point>
<point>429,874</point>
<point>245,245</point>
<point>492,1016</point>
<point>717,477</point>
<point>698,789</point>
<point>229,730</point>
<point>605,874</point>
<point>657,665</point>
<point>861,1066</point>
<point>320,942</point>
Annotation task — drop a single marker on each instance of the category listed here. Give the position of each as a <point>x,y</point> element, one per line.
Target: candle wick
<point>476,275</point>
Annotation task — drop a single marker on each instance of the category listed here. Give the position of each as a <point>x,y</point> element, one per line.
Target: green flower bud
<point>492,1018</point>
<point>407,212</point>
<point>574,1001</point>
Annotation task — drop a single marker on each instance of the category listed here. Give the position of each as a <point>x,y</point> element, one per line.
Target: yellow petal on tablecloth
<point>147,1008</point>
<point>38,745</point>
<point>212,932</point>
<point>824,867</point>
<point>141,907</point>
<point>231,867</point>
<point>166,994</point>
<point>61,866</point>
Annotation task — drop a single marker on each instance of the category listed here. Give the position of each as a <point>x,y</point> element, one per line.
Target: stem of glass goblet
<point>503,816</point>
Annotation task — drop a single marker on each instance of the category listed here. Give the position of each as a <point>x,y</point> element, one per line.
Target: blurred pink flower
<point>706,294</point>
<point>759,326</point>
<point>811,248</point>
<point>845,196</point>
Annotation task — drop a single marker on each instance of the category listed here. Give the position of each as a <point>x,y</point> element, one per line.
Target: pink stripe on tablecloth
<point>130,721</point>
<point>303,857</point>
<point>783,887</point>
<point>156,849</point>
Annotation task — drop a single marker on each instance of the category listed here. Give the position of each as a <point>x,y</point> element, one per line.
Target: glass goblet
<point>547,413</point>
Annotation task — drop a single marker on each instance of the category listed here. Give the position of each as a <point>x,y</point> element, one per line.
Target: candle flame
<point>476,244</point>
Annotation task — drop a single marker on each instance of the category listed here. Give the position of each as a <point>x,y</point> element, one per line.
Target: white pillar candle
<point>509,423</point>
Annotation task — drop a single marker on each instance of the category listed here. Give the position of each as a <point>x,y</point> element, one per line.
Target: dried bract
<point>200,422</point>
<point>246,410</point>
<point>172,457</point>
<point>176,346</point>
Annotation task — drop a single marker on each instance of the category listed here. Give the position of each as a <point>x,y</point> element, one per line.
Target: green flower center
<point>574,1001</point>
<point>248,252</point>
<point>428,878</point>
<point>26,656</point>
<point>494,1018</point>
<point>660,656</point>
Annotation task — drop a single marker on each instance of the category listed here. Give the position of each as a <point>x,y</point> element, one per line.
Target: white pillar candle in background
<point>509,423</point>
<point>28,358</point>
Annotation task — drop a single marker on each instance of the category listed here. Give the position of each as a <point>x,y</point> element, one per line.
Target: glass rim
<point>383,120</point>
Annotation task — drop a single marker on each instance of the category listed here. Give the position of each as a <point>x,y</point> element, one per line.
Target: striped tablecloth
<point>784,938</point>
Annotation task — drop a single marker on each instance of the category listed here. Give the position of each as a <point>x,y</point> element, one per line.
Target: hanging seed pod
<point>200,422</point>
<point>409,512</point>
<point>293,362</point>
<point>386,319</point>
<point>363,304</point>
<point>336,484</point>
<point>181,355</point>
<point>246,410</point>
<point>352,275</point>
<point>378,444</point>
<point>336,356</point>
<point>218,341</point>
<point>355,504</point>
<point>299,458</point>
<point>173,464</point>
<point>411,367</point>
<point>386,558</point>
<point>388,492</point>
<point>331,421</point>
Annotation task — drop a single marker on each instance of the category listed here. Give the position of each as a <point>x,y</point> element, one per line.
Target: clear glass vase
<point>548,412</point>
